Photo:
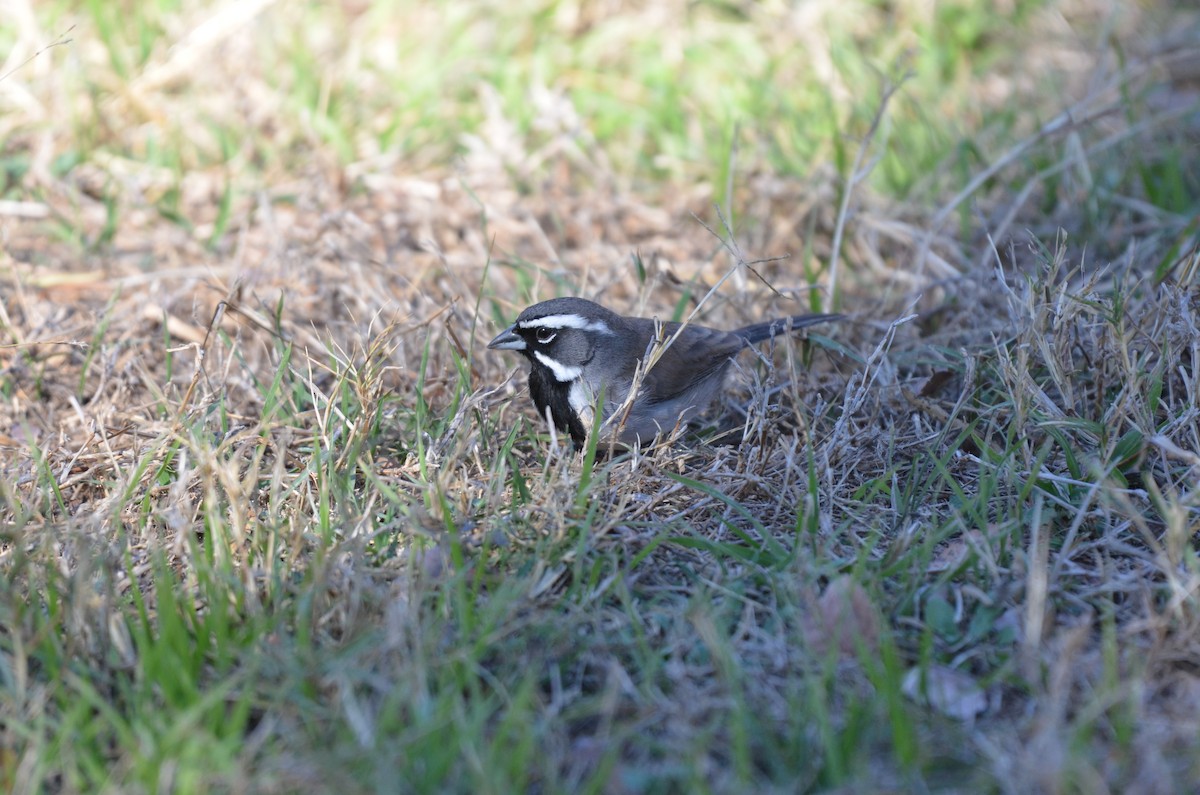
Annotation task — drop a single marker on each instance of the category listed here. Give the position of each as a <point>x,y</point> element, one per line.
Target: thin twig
<point>857,173</point>
<point>56,43</point>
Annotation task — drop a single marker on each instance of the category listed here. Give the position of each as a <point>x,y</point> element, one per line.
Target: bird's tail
<point>758,332</point>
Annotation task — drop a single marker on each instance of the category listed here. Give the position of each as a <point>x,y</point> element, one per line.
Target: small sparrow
<point>578,350</point>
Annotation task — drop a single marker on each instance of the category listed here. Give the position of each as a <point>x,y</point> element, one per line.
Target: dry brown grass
<point>952,547</point>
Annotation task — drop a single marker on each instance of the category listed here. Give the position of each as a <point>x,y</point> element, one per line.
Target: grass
<point>272,521</point>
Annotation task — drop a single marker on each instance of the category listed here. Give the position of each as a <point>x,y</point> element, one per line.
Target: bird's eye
<point>546,335</point>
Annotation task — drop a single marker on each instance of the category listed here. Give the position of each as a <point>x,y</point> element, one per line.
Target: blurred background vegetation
<point>138,97</point>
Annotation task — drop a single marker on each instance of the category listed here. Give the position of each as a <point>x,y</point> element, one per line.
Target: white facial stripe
<point>567,321</point>
<point>562,373</point>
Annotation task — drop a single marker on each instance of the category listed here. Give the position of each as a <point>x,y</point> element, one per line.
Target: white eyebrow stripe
<point>567,321</point>
<point>562,373</point>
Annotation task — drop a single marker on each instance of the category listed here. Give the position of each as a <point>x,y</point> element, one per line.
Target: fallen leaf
<point>845,619</point>
<point>948,690</point>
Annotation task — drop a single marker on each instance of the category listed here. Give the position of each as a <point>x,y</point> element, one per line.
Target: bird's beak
<point>508,340</point>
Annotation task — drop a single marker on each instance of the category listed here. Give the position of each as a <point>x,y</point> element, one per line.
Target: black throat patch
<point>547,392</point>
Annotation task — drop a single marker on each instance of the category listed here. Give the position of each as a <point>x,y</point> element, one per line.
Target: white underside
<point>645,421</point>
<point>579,397</point>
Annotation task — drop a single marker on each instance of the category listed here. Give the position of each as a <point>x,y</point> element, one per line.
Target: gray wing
<point>694,363</point>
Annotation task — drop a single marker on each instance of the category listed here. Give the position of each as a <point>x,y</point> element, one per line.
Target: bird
<point>579,351</point>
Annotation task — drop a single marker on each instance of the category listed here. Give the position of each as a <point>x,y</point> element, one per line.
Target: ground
<point>273,519</point>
